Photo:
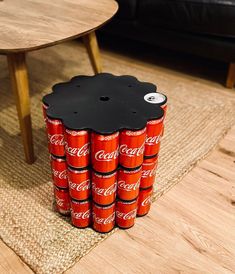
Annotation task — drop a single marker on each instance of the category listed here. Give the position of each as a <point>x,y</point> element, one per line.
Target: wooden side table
<point>32,25</point>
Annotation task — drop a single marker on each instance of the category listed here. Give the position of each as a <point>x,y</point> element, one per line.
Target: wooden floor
<point>189,230</point>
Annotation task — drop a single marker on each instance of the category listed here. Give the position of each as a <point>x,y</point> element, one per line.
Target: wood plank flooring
<point>189,230</point>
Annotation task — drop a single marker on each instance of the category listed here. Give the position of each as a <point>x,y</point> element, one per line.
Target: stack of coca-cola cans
<point>103,175</point>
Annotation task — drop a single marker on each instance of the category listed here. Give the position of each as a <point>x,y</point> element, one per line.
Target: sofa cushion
<point>216,17</point>
<point>127,9</point>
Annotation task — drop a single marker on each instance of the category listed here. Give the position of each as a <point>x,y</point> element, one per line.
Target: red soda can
<point>128,184</point>
<point>153,137</point>
<point>149,169</point>
<point>144,201</point>
<point>81,213</point>
<point>157,98</point>
<point>44,108</point>
<point>77,147</point>
<point>55,133</point>
<point>126,213</point>
<point>163,129</point>
<point>59,172</point>
<point>103,217</point>
<point>104,152</point>
<point>79,183</point>
<point>104,188</point>
<point>62,200</point>
<point>162,102</point>
<point>131,151</point>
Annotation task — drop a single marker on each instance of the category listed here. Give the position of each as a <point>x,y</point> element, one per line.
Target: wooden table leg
<point>92,47</point>
<point>20,86</point>
<point>231,76</point>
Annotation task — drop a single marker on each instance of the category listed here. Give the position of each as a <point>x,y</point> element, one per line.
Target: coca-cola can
<point>162,101</point>
<point>77,147</point>
<point>104,152</point>
<point>79,183</point>
<point>153,137</point>
<point>163,105</point>
<point>103,217</point>
<point>59,171</point>
<point>55,133</point>
<point>81,213</point>
<point>126,213</point>
<point>62,200</point>
<point>144,201</point>
<point>149,169</point>
<point>131,151</point>
<point>44,108</point>
<point>104,188</point>
<point>163,130</point>
<point>157,98</point>
<point>128,184</point>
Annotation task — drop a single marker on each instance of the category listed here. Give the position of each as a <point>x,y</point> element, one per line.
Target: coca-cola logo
<point>128,187</point>
<point>83,186</point>
<point>59,202</point>
<point>126,216</point>
<point>78,151</point>
<point>104,221</point>
<point>59,174</point>
<point>152,140</point>
<point>104,191</point>
<point>149,172</point>
<point>81,215</point>
<point>146,201</point>
<point>131,152</point>
<point>56,139</point>
<point>108,156</point>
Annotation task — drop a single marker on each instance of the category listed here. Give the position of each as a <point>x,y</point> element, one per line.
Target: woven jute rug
<point>199,115</point>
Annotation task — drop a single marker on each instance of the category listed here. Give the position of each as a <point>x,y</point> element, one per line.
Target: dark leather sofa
<point>202,27</point>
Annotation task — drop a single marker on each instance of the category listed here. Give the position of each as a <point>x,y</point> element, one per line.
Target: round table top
<point>32,24</point>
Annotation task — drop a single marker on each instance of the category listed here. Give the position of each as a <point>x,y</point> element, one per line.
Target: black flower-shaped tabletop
<point>103,103</point>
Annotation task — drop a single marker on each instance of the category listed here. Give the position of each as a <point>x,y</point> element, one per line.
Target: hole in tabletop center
<point>104,98</point>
